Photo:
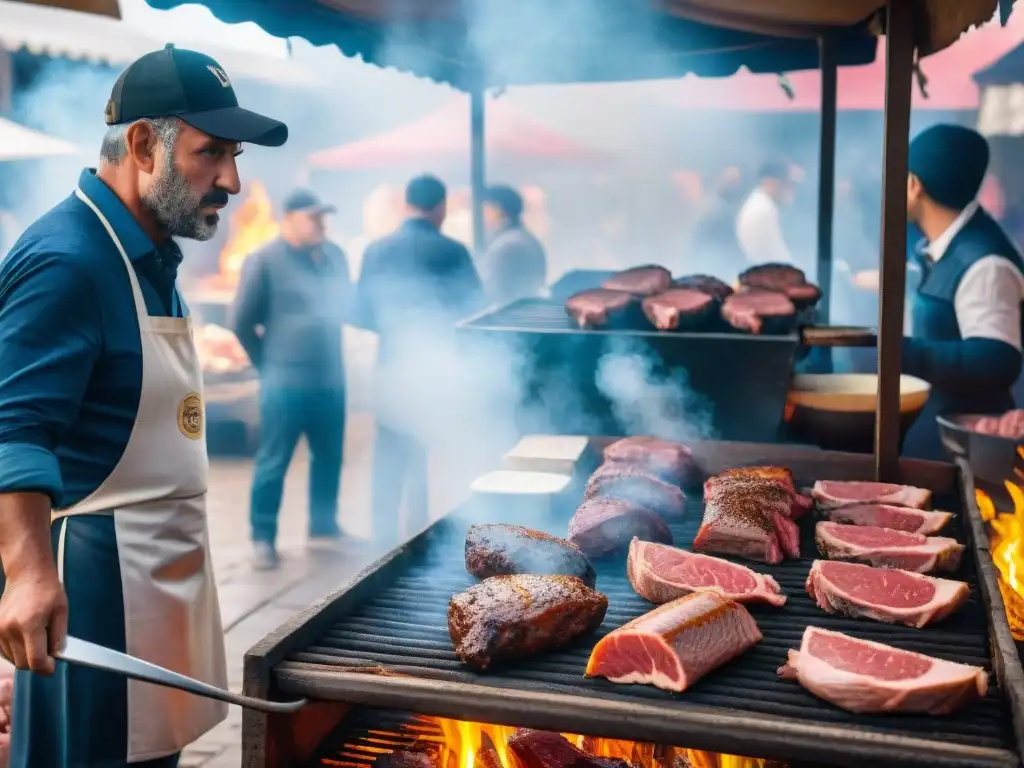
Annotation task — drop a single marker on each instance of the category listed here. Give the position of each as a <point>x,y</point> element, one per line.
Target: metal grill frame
<point>283,740</point>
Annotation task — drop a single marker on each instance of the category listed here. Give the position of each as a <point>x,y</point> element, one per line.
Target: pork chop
<point>841,493</point>
<point>676,644</point>
<point>660,573</point>
<point>510,617</point>
<point>886,548</point>
<point>866,677</point>
<point>887,595</point>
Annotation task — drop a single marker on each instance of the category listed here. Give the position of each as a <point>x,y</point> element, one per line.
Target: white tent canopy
<point>100,39</point>
<point>20,143</point>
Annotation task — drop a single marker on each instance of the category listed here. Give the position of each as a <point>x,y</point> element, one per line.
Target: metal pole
<point>477,169</point>
<point>826,175</point>
<point>899,61</point>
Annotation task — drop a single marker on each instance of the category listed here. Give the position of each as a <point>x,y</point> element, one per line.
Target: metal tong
<point>88,654</point>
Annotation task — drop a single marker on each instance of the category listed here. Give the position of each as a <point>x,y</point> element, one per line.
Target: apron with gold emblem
<point>156,498</point>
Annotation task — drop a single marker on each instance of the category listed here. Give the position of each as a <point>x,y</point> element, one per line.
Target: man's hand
<point>33,619</point>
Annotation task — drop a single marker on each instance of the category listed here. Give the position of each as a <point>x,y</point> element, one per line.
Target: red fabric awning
<point>948,74</point>
<point>442,138</point>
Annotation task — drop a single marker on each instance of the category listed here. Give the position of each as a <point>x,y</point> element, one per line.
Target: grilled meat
<point>679,309</point>
<point>597,307</point>
<point>671,462</point>
<point>783,278</point>
<point>605,526</point>
<point>622,481</point>
<point>706,283</point>
<point>545,749</point>
<point>748,310</point>
<point>510,617</point>
<point>640,281</point>
<point>495,550</point>
<point>801,504</point>
<point>748,517</point>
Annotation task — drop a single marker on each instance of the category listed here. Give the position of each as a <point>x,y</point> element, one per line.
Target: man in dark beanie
<point>966,337</point>
<point>514,265</point>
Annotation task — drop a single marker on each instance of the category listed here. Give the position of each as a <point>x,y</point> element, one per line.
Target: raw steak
<point>678,308</point>
<point>603,526</point>
<point>883,594</point>
<point>887,516</point>
<point>886,548</point>
<point>510,617</point>
<point>495,550</point>
<point>748,518</point>
<point>545,749</point>
<point>841,493</point>
<point>672,462</point>
<point>748,310</point>
<point>661,574</point>
<point>676,644</point>
<point>865,677</point>
<point>640,281</point>
<point>629,483</point>
<point>706,283</point>
<point>801,504</point>
<point>595,308</point>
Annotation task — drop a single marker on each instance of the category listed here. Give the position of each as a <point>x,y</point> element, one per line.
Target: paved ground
<point>254,603</point>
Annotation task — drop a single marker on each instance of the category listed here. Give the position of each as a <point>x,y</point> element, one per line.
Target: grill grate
<point>403,628</point>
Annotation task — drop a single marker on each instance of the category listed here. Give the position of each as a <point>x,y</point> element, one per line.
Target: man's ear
<point>142,142</point>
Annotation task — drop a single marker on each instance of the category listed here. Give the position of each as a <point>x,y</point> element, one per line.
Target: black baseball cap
<point>174,82</point>
<point>306,200</point>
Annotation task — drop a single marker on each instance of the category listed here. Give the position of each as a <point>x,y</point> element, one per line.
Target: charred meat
<point>679,309</point>
<point>748,310</point>
<point>511,617</point>
<point>622,481</point>
<point>497,550</point>
<point>545,749</point>
<point>782,278</point>
<point>706,283</point>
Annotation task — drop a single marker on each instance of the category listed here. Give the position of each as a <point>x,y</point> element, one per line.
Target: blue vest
<point>934,319</point>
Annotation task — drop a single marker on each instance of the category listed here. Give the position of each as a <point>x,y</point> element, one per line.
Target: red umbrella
<point>947,73</point>
<point>442,137</point>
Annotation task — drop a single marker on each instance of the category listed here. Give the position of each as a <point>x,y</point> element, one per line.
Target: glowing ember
<point>1005,540</point>
<point>479,745</point>
<point>251,226</point>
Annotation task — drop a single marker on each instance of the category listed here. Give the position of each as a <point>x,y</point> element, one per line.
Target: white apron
<point>157,496</point>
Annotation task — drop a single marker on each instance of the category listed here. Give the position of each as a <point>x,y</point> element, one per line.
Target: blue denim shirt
<point>70,354</point>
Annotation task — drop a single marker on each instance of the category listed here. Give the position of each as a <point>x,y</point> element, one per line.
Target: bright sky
<point>195,23</point>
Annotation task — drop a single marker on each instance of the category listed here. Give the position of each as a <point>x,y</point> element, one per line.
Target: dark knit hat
<point>950,162</point>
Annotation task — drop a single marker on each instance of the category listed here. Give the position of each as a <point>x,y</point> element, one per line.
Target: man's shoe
<point>264,556</point>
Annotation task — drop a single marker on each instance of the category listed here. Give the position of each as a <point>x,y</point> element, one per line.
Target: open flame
<point>1006,540</point>
<point>251,226</point>
<point>480,745</point>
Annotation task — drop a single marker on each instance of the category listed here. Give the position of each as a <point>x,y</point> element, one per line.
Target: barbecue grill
<point>740,380</point>
<point>382,641</point>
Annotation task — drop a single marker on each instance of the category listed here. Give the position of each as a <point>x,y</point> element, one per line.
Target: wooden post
<point>899,60</point>
<point>477,169</point>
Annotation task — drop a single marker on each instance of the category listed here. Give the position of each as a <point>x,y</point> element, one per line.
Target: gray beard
<point>176,206</point>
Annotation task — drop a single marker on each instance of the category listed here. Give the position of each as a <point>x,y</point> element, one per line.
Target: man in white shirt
<point>759,224</point>
<point>966,313</point>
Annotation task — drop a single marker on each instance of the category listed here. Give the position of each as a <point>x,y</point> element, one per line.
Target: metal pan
<point>990,458</point>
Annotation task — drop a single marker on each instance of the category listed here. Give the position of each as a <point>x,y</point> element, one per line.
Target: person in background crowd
<point>291,304</point>
<point>514,266</point>
<point>714,245</point>
<point>103,462</point>
<point>759,222</point>
<point>414,284</point>
<point>966,315</point>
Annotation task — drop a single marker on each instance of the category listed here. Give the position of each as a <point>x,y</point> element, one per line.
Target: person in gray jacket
<point>514,266</point>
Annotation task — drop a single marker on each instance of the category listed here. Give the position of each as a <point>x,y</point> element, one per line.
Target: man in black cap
<point>966,313</point>
<point>288,314</point>
<point>103,464</point>
<point>514,266</point>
